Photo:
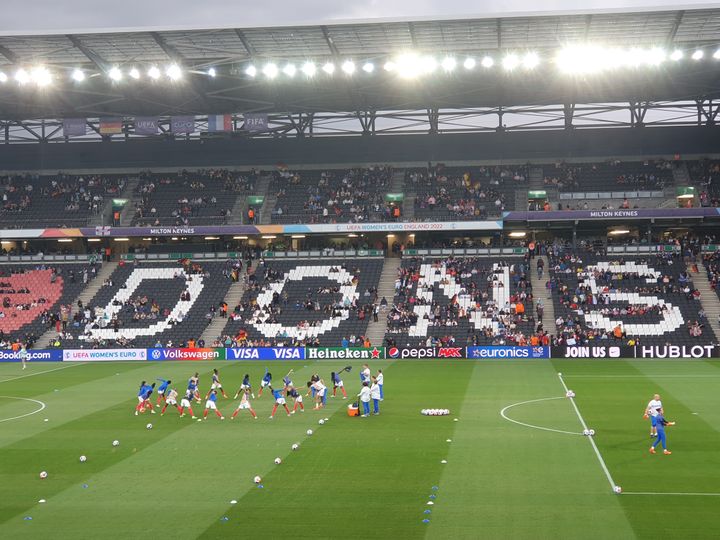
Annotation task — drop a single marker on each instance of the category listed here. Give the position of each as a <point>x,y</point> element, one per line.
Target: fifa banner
<point>254,122</point>
<point>344,353</point>
<point>74,127</point>
<point>507,351</point>
<point>425,352</point>
<point>103,355</point>
<point>186,354</point>
<point>33,355</point>
<point>265,353</point>
<point>637,351</point>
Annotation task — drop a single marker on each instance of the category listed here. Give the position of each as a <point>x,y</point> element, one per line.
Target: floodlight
<point>3,77</point>
<point>211,72</point>
<point>251,71</point>
<point>329,68</point>
<point>78,75</point>
<point>469,63</point>
<point>368,67</point>
<point>716,55</point>
<point>309,69</point>
<point>290,70</point>
<point>389,66</point>
<point>531,60</point>
<point>698,54</point>
<point>676,55</point>
<point>448,63</point>
<point>348,67</point>
<point>115,74</point>
<point>655,56</point>
<point>173,72</point>
<point>270,70</point>
<point>510,62</point>
<point>154,72</point>
<point>21,76</point>
<point>487,62</point>
<point>41,76</point>
<point>134,73</point>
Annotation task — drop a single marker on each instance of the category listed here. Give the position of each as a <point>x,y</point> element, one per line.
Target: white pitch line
<point>42,406</point>
<point>41,372</point>
<point>679,494</point>
<point>683,376</point>
<point>592,442</point>
<point>502,413</point>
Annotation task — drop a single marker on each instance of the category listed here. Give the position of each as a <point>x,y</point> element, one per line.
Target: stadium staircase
<point>536,178</point>
<point>232,298</point>
<point>87,294</point>
<point>238,211</point>
<point>681,175</point>
<point>386,288</point>
<point>128,211</point>
<point>541,292</point>
<point>708,298</point>
<point>263,188</point>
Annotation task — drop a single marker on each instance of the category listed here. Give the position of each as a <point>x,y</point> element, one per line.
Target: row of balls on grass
<point>435,412</point>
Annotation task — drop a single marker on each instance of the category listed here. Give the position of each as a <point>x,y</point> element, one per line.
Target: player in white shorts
<point>320,391</point>
<point>265,382</point>
<point>216,384</point>
<point>170,399</point>
<point>279,400</point>
<point>211,406</point>
<point>653,410</point>
<point>186,403</point>
<point>297,396</point>
<point>244,405</point>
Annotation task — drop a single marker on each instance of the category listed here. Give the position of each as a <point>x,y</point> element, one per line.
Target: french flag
<point>219,122</point>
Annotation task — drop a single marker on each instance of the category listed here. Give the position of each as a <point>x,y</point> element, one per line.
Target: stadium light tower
<point>211,72</point>
<point>531,60</point>
<point>676,55</point>
<point>510,62</point>
<point>173,72</point>
<point>134,73</point>
<point>487,62</point>
<point>21,76</point>
<point>368,67</point>
<point>41,76</point>
<point>448,64</point>
<point>290,70</point>
<point>329,68</point>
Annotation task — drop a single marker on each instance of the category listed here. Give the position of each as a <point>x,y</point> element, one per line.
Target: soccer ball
<point>116,443</point>
<point>617,489</point>
<point>321,421</point>
<point>586,432</point>
<point>149,426</point>
<point>257,479</point>
<point>278,461</point>
<point>309,432</point>
<point>83,459</point>
<point>43,475</point>
<point>591,432</point>
<point>295,446</point>
<point>570,394</point>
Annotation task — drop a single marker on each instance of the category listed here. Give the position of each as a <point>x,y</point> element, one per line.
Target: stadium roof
<point>230,50</point>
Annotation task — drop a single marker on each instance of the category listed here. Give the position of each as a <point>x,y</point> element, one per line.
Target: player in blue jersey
<point>141,397</point>
<point>287,381</point>
<point>216,384</point>
<point>245,386</point>
<point>337,383</point>
<point>279,400</point>
<point>660,424</point>
<point>211,404</point>
<point>297,396</point>
<point>266,381</point>
<point>162,390</point>
<point>144,402</point>
<point>194,385</point>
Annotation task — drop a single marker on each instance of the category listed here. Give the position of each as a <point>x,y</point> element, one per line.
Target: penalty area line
<point>592,442</point>
<point>41,372</point>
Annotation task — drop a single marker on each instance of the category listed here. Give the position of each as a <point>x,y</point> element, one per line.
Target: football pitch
<point>514,465</point>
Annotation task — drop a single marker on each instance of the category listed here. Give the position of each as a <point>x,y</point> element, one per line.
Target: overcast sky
<point>53,16</point>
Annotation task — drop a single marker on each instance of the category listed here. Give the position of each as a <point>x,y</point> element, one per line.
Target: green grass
<point>361,478</point>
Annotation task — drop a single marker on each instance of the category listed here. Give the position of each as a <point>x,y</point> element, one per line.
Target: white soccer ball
<point>617,489</point>
<point>321,421</point>
<point>586,432</point>
<point>257,479</point>
<point>295,446</point>
<point>149,426</point>
<point>327,419</point>
<point>83,459</point>
<point>570,394</point>
<point>309,432</point>
<point>278,461</point>
<point>116,443</point>
<point>423,411</point>
<point>43,475</point>
<point>591,432</point>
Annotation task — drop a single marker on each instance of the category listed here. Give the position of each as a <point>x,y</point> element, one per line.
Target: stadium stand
<point>203,197</point>
<point>331,196</point>
<point>461,301</point>
<point>706,175</point>
<point>305,302</point>
<point>611,175</point>
<point>60,200</point>
<point>649,300</point>
<point>464,193</point>
<point>149,304</point>
<point>36,297</point>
